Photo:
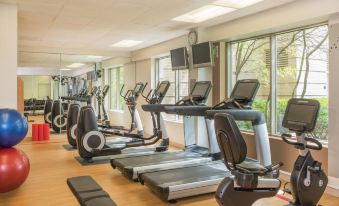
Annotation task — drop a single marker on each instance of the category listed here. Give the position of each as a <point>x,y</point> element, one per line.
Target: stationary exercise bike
<point>308,180</point>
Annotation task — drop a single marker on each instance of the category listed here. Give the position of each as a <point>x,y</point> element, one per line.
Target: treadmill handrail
<point>256,117</point>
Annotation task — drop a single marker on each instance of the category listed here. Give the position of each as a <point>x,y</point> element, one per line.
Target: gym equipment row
<point>221,166</point>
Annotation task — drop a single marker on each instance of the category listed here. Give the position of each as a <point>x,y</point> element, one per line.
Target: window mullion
<point>273,85</point>
<point>177,89</point>
<point>229,69</point>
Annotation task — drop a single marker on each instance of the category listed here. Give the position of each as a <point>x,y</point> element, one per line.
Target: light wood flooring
<point>51,165</point>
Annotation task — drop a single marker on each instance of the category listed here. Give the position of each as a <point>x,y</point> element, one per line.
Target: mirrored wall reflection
<point>50,82</point>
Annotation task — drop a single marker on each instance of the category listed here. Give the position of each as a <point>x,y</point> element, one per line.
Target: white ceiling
<point>92,26</point>
<point>78,28</point>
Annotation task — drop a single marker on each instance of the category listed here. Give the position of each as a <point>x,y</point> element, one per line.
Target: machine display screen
<point>200,90</point>
<point>301,113</point>
<point>137,88</point>
<point>162,88</point>
<point>201,53</point>
<point>245,90</point>
<point>179,58</point>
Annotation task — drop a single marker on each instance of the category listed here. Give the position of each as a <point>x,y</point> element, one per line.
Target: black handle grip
<point>318,145</point>
<point>122,89</point>
<point>285,136</point>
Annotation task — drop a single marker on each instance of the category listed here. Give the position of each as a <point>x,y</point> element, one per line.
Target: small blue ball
<point>13,127</point>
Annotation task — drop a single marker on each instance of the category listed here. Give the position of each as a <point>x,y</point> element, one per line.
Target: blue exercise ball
<point>13,127</point>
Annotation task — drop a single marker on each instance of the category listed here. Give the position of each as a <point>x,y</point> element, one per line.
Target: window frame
<point>118,87</point>
<point>273,71</point>
<point>176,83</point>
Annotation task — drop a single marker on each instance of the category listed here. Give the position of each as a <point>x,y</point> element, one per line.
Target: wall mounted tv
<point>202,55</point>
<point>179,58</point>
<point>91,75</point>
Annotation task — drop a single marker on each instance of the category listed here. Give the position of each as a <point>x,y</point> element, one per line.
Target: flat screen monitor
<point>179,58</point>
<point>91,75</point>
<point>202,55</point>
<point>301,114</point>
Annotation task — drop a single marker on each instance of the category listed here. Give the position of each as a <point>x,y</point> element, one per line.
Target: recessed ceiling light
<point>94,57</point>
<point>127,43</point>
<point>236,3</point>
<point>204,13</point>
<point>65,69</point>
<point>75,65</point>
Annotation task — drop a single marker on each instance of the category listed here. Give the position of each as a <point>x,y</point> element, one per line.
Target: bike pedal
<point>288,191</point>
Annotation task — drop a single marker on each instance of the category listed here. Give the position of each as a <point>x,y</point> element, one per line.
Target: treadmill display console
<point>245,90</point>
<point>201,89</point>
<point>301,115</point>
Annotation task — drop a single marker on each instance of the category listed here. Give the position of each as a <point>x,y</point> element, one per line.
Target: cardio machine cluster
<point>216,162</point>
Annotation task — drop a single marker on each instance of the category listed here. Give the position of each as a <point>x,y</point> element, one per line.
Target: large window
<point>288,65</point>
<point>178,80</point>
<point>116,80</point>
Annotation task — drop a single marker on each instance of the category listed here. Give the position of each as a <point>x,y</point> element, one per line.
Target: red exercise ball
<point>14,169</point>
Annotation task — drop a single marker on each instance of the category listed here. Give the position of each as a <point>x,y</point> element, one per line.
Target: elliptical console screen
<point>162,88</point>
<point>245,90</point>
<point>138,88</point>
<point>201,89</point>
<point>301,115</point>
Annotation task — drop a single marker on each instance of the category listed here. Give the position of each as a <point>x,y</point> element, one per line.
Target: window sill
<point>173,121</point>
<point>277,137</point>
<point>117,111</point>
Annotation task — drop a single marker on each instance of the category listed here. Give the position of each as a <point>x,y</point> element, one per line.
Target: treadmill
<point>197,179</point>
<point>192,154</point>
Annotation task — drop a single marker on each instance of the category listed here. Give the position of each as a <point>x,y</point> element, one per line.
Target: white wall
<point>8,55</point>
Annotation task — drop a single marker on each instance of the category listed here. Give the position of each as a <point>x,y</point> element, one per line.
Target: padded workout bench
<point>88,192</point>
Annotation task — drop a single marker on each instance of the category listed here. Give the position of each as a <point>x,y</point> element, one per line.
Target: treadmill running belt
<point>145,160</point>
<point>163,182</point>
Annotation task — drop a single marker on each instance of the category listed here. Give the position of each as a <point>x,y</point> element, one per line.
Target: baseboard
<point>176,145</point>
<point>331,189</point>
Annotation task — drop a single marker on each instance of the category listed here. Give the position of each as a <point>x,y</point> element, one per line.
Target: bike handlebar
<point>317,146</point>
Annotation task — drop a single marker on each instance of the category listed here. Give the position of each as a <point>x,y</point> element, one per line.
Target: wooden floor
<point>51,165</point>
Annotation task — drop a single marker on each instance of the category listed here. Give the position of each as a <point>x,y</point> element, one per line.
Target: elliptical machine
<point>308,180</point>
<point>130,97</point>
<point>91,142</point>
<point>72,114</point>
<point>100,95</point>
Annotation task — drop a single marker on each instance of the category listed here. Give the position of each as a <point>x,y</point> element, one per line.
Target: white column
<point>333,142</point>
<point>8,55</point>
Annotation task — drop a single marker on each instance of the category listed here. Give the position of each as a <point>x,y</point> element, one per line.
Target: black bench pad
<point>88,192</point>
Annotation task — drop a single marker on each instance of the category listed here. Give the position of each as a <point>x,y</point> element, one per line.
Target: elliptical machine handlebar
<point>150,93</point>
<point>317,146</point>
<point>121,90</point>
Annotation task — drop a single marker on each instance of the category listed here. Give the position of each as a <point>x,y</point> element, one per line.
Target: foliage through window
<point>179,83</point>
<point>296,68</point>
<point>116,80</point>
